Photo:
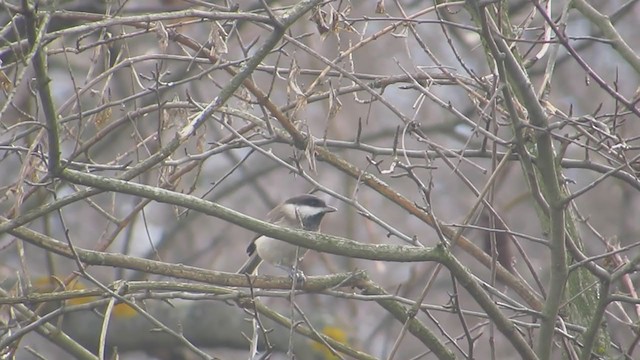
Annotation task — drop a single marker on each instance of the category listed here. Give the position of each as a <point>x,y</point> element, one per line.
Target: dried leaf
<point>334,104</point>
<point>292,83</point>
<point>102,117</point>
<point>163,36</point>
<point>334,107</point>
<point>218,39</point>
<point>293,87</point>
<point>201,141</point>
<point>310,154</point>
<point>177,116</point>
<point>5,83</point>
<point>318,18</point>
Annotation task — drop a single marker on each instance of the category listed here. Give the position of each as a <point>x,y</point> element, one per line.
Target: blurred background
<point>406,91</point>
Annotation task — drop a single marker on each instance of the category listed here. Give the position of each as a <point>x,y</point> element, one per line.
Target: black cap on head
<point>308,200</point>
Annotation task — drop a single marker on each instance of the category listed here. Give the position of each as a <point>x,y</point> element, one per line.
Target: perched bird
<point>299,212</point>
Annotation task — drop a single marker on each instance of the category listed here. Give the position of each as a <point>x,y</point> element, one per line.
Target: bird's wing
<point>274,216</point>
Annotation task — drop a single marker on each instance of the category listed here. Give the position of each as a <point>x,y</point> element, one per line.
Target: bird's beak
<point>329,209</point>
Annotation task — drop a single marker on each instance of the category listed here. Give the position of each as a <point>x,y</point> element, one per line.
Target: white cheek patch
<point>289,211</point>
<point>308,211</point>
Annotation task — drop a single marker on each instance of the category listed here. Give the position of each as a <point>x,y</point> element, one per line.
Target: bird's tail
<point>250,266</point>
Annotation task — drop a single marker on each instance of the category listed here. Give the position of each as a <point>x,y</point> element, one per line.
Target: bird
<point>299,212</point>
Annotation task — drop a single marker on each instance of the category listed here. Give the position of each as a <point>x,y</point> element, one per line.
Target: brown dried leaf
<point>5,82</point>
<point>218,40</point>
<point>175,117</point>
<point>318,18</point>
<point>292,80</point>
<point>310,154</point>
<point>334,104</point>
<point>102,117</point>
<point>163,36</point>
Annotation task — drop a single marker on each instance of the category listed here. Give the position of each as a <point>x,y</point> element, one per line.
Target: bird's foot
<point>297,276</point>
